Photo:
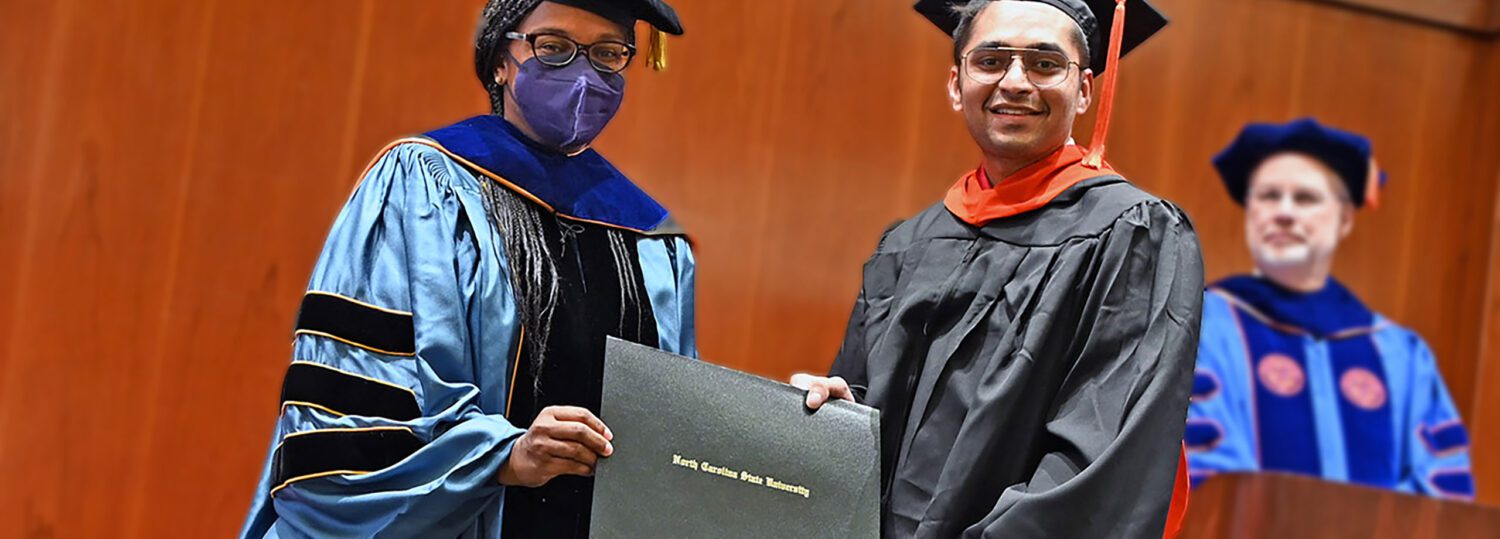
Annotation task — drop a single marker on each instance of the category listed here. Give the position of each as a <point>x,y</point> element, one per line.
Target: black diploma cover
<point>705,451</point>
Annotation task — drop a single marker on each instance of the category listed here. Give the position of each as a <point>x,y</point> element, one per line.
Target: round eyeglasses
<point>558,51</point>
<point>1045,69</point>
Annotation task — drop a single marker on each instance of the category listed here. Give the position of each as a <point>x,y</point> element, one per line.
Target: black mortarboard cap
<point>625,12</point>
<point>1095,17</point>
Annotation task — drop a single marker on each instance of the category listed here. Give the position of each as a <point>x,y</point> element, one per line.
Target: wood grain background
<point>168,170</point>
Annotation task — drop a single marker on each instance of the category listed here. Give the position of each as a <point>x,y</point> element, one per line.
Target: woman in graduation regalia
<point>1295,374</point>
<point>447,362</point>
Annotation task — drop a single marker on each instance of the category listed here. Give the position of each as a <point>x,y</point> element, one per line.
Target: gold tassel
<point>657,56</point>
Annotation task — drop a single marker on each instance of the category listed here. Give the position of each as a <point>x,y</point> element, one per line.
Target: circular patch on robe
<point>1363,388</point>
<point>1281,375</point>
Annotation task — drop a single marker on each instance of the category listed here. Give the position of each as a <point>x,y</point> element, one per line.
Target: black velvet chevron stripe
<point>358,324</point>
<point>347,394</point>
<point>351,451</point>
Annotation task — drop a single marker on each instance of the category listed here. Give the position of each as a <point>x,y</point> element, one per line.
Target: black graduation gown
<point>1032,374</point>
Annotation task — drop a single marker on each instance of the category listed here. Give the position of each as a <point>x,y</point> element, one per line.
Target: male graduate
<point>446,369</point>
<point>1029,340</point>
<point>1294,373</point>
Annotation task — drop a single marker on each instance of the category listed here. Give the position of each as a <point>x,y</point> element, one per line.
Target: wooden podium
<point>1284,506</point>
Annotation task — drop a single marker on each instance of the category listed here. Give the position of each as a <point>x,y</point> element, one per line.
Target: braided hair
<point>498,17</point>
<point>533,273</point>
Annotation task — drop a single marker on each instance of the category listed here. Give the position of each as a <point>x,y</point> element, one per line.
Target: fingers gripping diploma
<point>820,389</point>
<point>563,440</point>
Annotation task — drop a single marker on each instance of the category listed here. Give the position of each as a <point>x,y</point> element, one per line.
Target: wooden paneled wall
<point>168,170</point>
<point>1478,16</point>
<point>1484,411</point>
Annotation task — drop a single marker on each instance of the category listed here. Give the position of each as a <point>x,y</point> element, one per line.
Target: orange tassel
<point>1372,186</point>
<point>1095,158</point>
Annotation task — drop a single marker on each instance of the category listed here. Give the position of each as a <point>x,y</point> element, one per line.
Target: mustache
<point>1273,230</point>
<point>1030,105</point>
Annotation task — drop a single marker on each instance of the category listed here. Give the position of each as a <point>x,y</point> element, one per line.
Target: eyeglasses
<point>1045,69</point>
<point>558,51</point>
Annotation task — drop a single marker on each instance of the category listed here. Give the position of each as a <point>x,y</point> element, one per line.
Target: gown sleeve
<point>668,268</point>
<point>1220,434</point>
<point>687,301</point>
<point>381,430</point>
<point>1437,461</point>
<point>850,363</point>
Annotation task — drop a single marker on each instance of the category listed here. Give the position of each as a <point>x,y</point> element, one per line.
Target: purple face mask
<point>567,106</point>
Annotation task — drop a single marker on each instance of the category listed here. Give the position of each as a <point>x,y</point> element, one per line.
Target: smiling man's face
<point>1014,119</point>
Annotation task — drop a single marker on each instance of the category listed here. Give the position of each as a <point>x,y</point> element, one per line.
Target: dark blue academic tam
<point>1349,155</point>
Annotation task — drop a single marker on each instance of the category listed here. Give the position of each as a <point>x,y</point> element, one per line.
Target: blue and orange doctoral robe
<point>1318,384</point>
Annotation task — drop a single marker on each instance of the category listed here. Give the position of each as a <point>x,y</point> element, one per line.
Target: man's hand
<point>564,440</point>
<point>820,389</point>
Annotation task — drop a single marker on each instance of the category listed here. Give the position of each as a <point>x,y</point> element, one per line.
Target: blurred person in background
<point>1294,373</point>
